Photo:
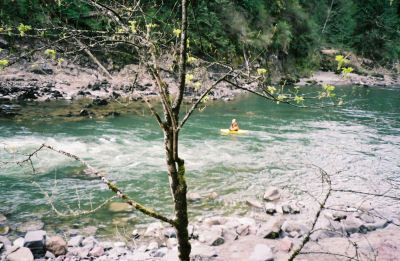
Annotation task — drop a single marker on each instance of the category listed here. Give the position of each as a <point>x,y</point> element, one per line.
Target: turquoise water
<point>360,140</point>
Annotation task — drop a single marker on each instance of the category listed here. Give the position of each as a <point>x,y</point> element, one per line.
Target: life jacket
<point>234,125</point>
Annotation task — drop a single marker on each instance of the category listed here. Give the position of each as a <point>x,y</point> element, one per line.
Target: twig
<point>322,205</point>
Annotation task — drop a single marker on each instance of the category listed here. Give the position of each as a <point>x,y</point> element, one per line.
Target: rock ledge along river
<point>360,141</point>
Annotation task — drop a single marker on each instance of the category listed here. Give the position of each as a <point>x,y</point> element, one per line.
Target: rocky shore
<point>272,232</point>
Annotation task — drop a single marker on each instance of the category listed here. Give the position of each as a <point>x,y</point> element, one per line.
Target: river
<point>358,143</point>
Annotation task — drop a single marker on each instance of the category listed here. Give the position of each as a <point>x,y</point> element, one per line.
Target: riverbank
<point>273,230</point>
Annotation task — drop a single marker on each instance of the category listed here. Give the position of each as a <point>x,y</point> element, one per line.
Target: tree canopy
<point>289,29</point>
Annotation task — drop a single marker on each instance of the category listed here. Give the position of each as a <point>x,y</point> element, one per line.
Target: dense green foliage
<point>291,30</point>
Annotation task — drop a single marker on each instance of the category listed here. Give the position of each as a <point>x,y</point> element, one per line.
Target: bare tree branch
<point>110,185</point>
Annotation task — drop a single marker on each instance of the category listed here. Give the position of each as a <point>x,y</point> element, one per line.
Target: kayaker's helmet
<point>233,121</point>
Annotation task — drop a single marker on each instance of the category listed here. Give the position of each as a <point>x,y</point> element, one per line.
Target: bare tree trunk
<point>176,172</point>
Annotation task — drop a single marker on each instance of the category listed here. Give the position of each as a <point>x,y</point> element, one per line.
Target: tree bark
<point>176,173</point>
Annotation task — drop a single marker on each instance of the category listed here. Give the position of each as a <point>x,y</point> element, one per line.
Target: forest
<point>292,30</point>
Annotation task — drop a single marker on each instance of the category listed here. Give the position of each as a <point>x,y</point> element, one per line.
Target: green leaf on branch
<point>298,99</point>
<point>271,89</point>
<point>51,53</point>
<point>133,26</point>
<point>177,32</point>
<point>3,63</point>
<point>23,28</point>
<point>261,71</point>
<point>189,78</point>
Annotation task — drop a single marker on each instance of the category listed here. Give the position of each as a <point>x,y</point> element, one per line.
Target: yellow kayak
<point>227,131</point>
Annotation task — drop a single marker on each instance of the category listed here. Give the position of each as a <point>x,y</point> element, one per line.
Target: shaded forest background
<point>291,31</point>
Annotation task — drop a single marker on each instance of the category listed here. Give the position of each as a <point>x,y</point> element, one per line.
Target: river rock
<point>120,244</point>
<point>19,242</point>
<point>3,218</point>
<point>100,102</point>
<point>20,254</point>
<point>119,207</point>
<point>89,243</point>
<point>4,230</point>
<point>161,252</point>
<point>138,256</point>
<point>56,245</point>
<point>30,226</point>
<point>152,246</point>
<point>285,245</point>
<point>212,237</point>
<point>36,242</point>
<point>212,195</point>
<point>272,194</point>
<point>353,225</point>
<point>286,209</point>
<point>203,252</point>
<point>254,203</point>
<point>97,251</point>
<point>49,255</point>
<point>154,230</point>
<point>75,241</point>
<point>171,243</point>
<point>261,252</point>
<point>271,229</point>
<point>6,242</point>
<point>270,208</point>
<point>294,228</point>
<point>193,196</point>
<point>42,68</point>
<point>169,232</point>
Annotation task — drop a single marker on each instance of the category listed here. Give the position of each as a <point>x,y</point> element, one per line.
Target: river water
<point>358,143</point>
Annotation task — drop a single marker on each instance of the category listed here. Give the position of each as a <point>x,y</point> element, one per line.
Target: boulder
<point>161,252</point>
<point>97,251</point>
<point>270,208</point>
<point>202,252</point>
<point>294,229</point>
<point>272,194</point>
<point>152,246</point>
<point>100,102</point>
<point>254,203</point>
<point>353,225</point>
<point>36,242</point>
<point>271,229</point>
<point>261,252</point>
<point>171,243</point>
<point>89,242</point>
<point>1,246</point>
<point>56,245</point>
<point>19,242</point>
<point>20,254</point>
<point>75,241</point>
<point>285,245</point>
<point>6,242</point>
<point>212,237</point>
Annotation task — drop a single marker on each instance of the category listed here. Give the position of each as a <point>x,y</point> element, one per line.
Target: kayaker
<point>234,126</point>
